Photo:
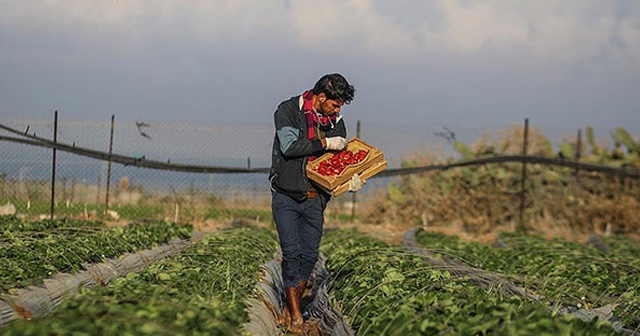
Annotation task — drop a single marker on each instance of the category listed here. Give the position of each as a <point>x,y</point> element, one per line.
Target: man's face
<point>330,106</point>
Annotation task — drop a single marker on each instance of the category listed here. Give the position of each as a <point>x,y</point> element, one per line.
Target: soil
<point>394,233</point>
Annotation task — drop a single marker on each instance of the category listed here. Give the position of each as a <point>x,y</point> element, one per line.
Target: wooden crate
<point>331,184</point>
<point>367,173</point>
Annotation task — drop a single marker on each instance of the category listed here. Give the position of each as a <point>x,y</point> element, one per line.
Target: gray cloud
<point>446,62</point>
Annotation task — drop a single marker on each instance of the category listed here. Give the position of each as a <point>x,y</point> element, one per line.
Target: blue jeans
<point>299,225</point>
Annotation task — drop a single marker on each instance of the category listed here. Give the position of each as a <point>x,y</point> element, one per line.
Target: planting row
<point>386,290</point>
<point>31,252</point>
<point>382,289</point>
<point>200,292</point>
<point>565,273</point>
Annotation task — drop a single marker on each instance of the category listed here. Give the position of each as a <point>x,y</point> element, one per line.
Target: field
<point>498,248</point>
<point>430,284</point>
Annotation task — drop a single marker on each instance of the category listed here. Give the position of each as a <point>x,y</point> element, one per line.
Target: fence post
<point>73,190</point>
<point>523,179</point>
<point>578,153</point>
<point>353,196</point>
<point>99,186</point>
<point>53,166</point>
<point>2,185</point>
<point>106,202</point>
<point>64,189</point>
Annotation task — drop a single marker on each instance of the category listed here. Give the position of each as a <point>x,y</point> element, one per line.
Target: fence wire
<point>238,152</point>
<point>135,192</point>
<point>189,171</point>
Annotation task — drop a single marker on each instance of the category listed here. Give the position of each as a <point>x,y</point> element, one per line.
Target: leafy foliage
<point>386,291</point>
<point>564,273</point>
<point>200,292</point>
<point>482,197</point>
<point>32,251</point>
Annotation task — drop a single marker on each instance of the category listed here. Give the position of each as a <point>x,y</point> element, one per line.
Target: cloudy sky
<point>568,63</point>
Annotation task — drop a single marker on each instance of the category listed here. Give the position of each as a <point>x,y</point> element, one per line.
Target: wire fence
<point>186,171</point>
<point>170,170</point>
<point>141,177</point>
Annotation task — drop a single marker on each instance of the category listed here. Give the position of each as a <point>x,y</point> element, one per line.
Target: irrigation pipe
<point>622,172</point>
<point>142,162</point>
<point>123,159</point>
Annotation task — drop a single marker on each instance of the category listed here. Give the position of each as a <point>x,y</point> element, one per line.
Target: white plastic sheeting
<point>36,301</point>
<point>267,306</point>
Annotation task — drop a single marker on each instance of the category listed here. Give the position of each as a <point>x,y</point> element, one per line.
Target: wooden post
<point>578,153</point>
<point>73,190</point>
<point>106,202</point>
<point>99,187</point>
<point>2,185</point>
<point>53,166</point>
<point>353,196</point>
<point>523,179</point>
<point>64,189</point>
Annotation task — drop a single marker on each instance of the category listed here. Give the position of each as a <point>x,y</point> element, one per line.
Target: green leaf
<point>164,276</point>
<point>392,274</point>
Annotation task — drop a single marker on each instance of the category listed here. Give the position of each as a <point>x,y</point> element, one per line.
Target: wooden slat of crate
<point>331,182</point>
<point>368,173</point>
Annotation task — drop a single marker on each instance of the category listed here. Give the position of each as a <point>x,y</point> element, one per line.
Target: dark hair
<point>335,87</point>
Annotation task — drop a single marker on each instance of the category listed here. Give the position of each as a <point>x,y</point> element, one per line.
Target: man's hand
<point>336,143</point>
<point>356,183</point>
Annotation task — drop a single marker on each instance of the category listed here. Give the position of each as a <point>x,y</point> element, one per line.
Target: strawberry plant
<point>31,252</point>
<point>200,292</point>
<point>381,289</point>
<point>564,273</point>
<point>386,290</point>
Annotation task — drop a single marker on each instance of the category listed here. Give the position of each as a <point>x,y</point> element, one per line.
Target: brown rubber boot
<point>293,304</point>
<point>302,287</point>
<point>285,318</point>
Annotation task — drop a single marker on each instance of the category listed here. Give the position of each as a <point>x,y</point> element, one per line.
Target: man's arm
<point>292,142</point>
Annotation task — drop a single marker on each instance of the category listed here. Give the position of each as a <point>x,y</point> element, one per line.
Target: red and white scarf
<point>315,119</point>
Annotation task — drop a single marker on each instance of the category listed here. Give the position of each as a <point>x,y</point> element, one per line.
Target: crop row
<point>200,292</point>
<point>386,290</point>
<point>31,252</point>
<point>565,273</point>
<point>381,289</point>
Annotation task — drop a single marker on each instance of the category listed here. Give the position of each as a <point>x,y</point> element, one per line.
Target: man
<point>306,126</point>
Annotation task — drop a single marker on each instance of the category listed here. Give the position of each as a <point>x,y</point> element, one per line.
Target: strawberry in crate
<point>337,163</point>
<point>333,170</point>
